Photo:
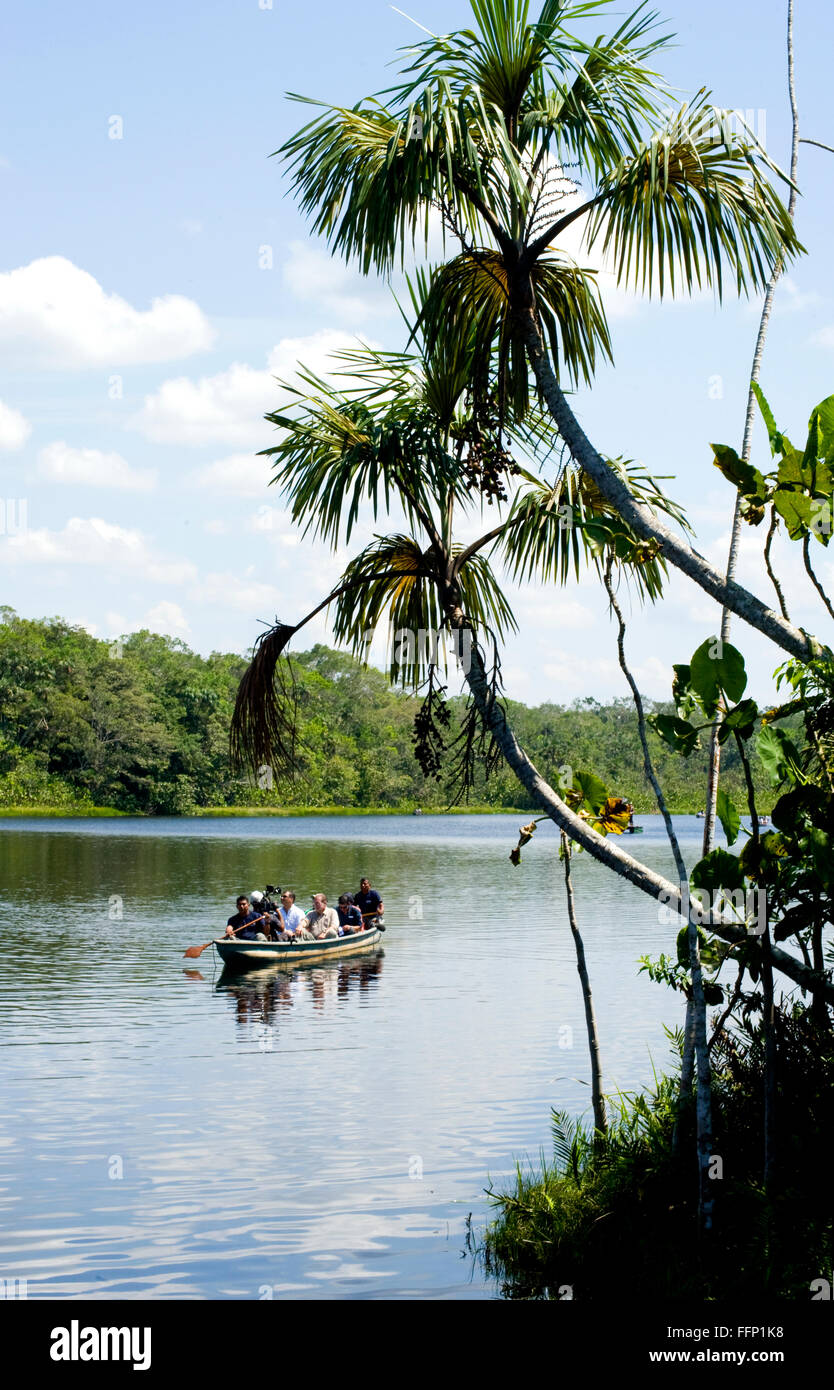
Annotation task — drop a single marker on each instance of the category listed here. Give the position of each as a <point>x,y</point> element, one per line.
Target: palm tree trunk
<point>597,1097</point>
<point>494,718</point>
<point>643,521</point>
<point>746,448</point>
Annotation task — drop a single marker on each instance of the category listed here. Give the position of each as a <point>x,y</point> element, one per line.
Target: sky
<point>156,279</point>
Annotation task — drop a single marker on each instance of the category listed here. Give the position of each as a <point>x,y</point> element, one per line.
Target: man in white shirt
<point>323,920</point>
<point>293,920</point>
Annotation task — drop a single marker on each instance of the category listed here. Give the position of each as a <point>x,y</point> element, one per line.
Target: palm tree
<point>484,126</point>
<point>411,432</point>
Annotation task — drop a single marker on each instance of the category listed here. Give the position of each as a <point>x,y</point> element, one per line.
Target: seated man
<point>245,918</point>
<point>323,920</point>
<point>350,918</point>
<point>369,902</point>
<point>293,922</point>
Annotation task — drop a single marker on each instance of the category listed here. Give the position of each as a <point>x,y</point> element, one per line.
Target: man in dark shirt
<point>369,902</point>
<point>246,918</point>
<point>350,918</point>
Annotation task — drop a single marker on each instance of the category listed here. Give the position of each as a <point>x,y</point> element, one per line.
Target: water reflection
<point>259,997</point>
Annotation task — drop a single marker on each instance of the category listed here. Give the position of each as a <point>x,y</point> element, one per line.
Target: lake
<point>169,1132</point>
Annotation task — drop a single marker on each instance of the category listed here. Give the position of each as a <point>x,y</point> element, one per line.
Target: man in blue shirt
<point>350,918</point>
<point>369,902</point>
<point>246,918</point>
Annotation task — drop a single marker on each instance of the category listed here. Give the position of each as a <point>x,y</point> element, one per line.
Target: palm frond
<point>691,202</point>
<point>469,296</point>
<point>393,578</point>
<point>375,442</point>
<point>553,527</point>
<point>263,731</point>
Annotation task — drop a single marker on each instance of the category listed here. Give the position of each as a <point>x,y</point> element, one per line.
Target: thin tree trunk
<point>648,765</point>
<point>769,1027</point>
<point>771,532</point>
<point>695,1026</point>
<point>768,1011</point>
<point>806,556</point>
<point>597,1098</point>
<point>703,1072</point>
<point>747,446</point>
<point>687,1070</point>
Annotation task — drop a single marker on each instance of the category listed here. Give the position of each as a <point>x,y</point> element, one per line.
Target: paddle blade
<point>194,951</point>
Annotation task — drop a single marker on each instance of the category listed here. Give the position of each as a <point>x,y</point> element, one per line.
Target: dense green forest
<point>141,726</point>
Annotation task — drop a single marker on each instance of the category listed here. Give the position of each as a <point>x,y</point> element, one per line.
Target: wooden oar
<point>194,951</point>
<point>380,925</point>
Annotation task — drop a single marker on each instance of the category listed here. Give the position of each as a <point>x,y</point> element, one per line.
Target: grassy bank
<point>619,1211</point>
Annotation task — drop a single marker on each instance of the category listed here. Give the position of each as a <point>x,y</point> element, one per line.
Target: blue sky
<point>152,285</point>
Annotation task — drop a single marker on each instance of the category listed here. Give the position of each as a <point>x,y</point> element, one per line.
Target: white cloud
<point>229,408</point>
<point>319,278</point>
<point>243,591</point>
<point>556,612</point>
<point>14,428</point>
<point>576,675</point>
<point>53,314</point>
<point>92,541</point>
<point>167,618</point>
<point>824,337</point>
<point>61,463</point>
<point>241,475</point>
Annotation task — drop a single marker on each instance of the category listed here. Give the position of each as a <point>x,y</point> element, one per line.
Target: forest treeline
<point>141,726</point>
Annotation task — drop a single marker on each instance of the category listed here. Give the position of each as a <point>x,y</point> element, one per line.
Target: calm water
<point>170,1133</point>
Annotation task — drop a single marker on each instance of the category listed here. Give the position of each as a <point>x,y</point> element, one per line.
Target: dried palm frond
<point>263,730</point>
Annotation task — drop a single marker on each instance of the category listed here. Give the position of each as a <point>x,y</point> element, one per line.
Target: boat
<point>251,955</point>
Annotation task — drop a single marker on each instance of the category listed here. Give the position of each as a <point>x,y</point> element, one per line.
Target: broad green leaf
<point>715,667</point>
<point>676,733</point>
<point>779,755</point>
<point>587,790</point>
<point>728,816</point>
<point>720,869</point>
<point>795,509</point>
<point>789,472</point>
<point>741,720</point>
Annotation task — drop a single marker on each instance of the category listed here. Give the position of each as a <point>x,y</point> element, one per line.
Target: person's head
<point>287,898</point>
<point>319,901</point>
<point>364,885</point>
<point>345,900</point>
<point>243,903</point>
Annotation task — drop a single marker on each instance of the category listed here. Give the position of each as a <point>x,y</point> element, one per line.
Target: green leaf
<point>720,869</point>
<point>795,509</point>
<point>676,733</point>
<point>824,413</point>
<point>587,790</point>
<point>773,434</point>
<point>744,476</point>
<point>715,667</point>
<point>778,753</point>
<point>741,720</point>
<point>728,816</point>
